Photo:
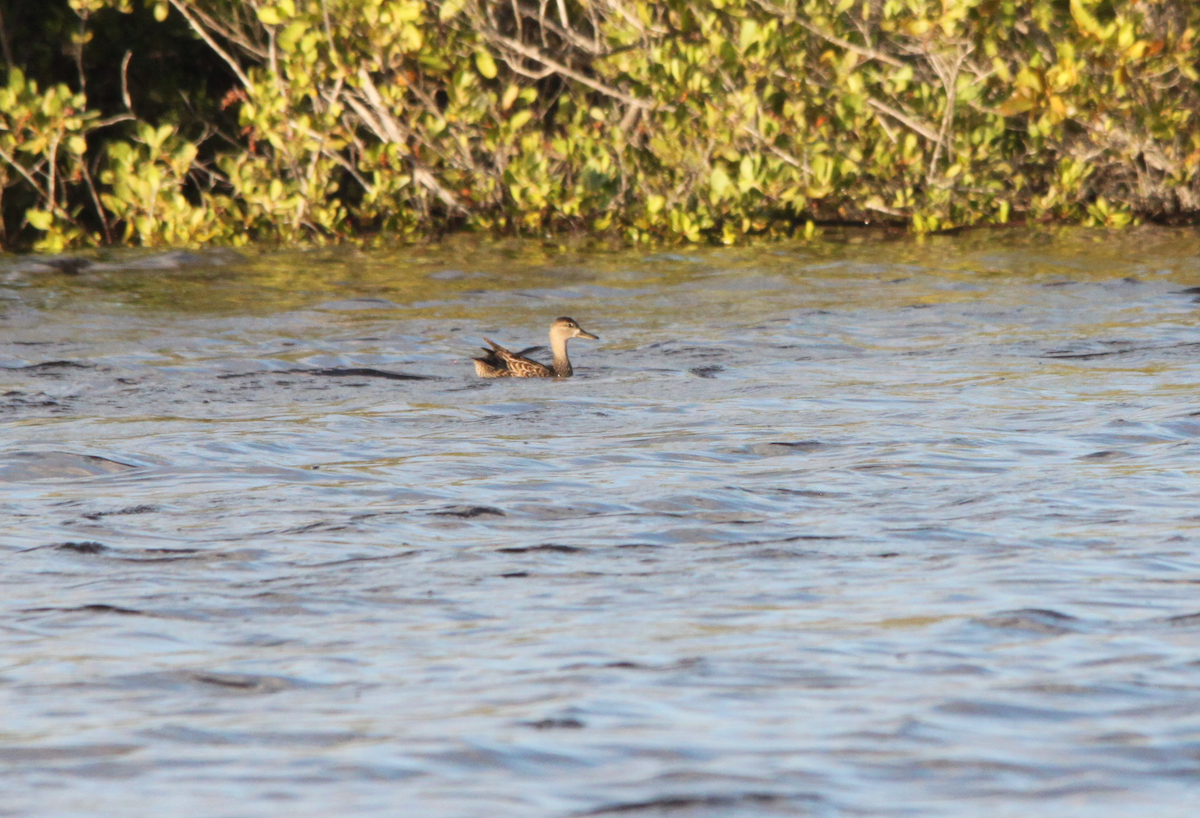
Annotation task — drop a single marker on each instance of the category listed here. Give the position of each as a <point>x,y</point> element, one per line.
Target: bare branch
<point>917,125</point>
<point>380,120</point>
<point>869,53</point>
<point>570,73</point>
<point>864,51</point>
<point>96,201</point>
<point>8,157</point>
<point>182,8</point>
<point>233,37</point>
<point>782,154</point>
<point>125,81</point>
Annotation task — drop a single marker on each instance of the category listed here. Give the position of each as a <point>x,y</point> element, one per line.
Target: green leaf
<point>485,63</point>
<point>510,96</point>
<point>40,219</point>
<point>519,119</point>
<point>450,9</point>
<point>270,15</point>
<point>1085,20</point>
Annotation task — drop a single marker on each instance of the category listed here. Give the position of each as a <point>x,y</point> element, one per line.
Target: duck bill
<point>587,335</point>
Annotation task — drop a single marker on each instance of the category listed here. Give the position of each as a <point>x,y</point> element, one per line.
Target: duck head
<point>565,328</point>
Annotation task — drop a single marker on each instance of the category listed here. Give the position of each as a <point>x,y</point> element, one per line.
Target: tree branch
<point>917,125</point>
<point>181,7</point>
<point>570,73</point>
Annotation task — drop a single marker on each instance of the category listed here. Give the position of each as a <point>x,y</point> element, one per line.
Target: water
<point>865,528</point>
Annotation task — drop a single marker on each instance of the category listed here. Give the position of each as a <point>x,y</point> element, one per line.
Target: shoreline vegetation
<point>187,122</point>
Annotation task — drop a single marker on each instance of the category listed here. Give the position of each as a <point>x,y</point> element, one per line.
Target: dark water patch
<point>99,608</point>
<point>412,552</point>
<point>172,260</point>
<point>776,553</point>
<point>816,494</point>
<point>1008,712</point>
<point>234,684</point>
<point>780,447</point>
<point>173,554</point>
<point>16,399</point>
<point>358,304</point>
<point>1127,350</point>
<point>544,547</point>
<point>53,369</point>
<point>85,547</point>
<point>138,509</point>
<point>555,723</point>
<point>787,539</point>
<point>707,371</point>
<point>67,265</point>
<point>736,804</point>
<point>1191,620</point>
<point>687,663</point>
<point>323,526</point>
<point>167,551</point>
<point>469,512</point>
<point>1032,620</point>
<point>20,466</point>
<point>78,752</point>
<point>1106,454</point>
<point>334,372</point>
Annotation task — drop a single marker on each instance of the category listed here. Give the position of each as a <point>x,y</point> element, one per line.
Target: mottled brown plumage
<point>500,363</point>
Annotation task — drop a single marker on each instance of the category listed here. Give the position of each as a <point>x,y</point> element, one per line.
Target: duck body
<point>498,362</point>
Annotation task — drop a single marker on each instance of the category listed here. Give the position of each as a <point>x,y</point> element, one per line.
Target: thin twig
<point>8,157</point>
<point>112,120</point>
<point>534,54</point>
<point>199,29</point>
<point>389,123</point>
<point>917,125</point>
<point>348,167</point>
<point>213,25</point>
<point>87,175</point>
<point>782,154</point>
<point>51,172</point>
<point>882,209</point>
<point>870,53</point>
<point>125,81</point>
<point>949,78</point>
<point>83,21</point>
<point>380,120</point>
<point>864,51</point>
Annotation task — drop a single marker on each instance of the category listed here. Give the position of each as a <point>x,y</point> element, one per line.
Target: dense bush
<point>183,121</point>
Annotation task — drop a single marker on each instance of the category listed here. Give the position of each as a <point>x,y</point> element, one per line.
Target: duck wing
<point>517,365</point>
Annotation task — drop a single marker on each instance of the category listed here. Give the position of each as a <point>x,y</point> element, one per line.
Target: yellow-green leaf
<point>450,9</point>
<point>270,15</point>
<point>40,219</point>
<point>485,63</point>
<point>519,119</point>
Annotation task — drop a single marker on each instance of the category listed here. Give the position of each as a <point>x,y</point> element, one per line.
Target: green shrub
<point>327,120</point>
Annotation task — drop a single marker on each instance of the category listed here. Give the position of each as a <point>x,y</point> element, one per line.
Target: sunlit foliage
<point>676,120</point>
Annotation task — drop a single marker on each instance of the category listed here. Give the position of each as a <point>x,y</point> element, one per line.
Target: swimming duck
<point>500,363</point>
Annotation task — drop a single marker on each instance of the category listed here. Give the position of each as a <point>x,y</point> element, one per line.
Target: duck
<point>500,363</point>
